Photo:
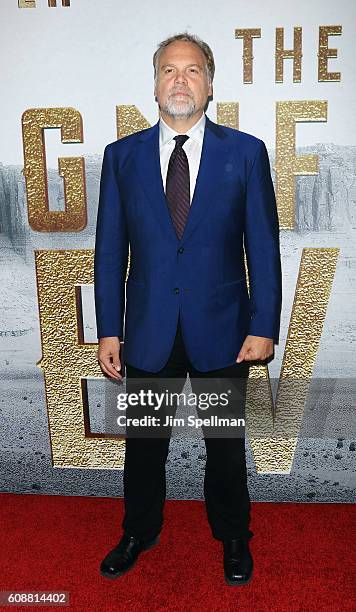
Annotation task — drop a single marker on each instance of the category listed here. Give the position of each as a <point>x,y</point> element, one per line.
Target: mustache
<point>185,91</point>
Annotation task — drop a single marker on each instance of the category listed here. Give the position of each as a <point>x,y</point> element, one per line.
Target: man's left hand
<point>255,348</point>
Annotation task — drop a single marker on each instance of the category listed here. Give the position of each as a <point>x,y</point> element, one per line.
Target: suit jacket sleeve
<point>111,253</point>
<point>262,247</point>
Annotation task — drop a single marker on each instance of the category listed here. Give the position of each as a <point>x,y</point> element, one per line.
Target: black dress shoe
<point>238,562</point>
<point>121,558</point>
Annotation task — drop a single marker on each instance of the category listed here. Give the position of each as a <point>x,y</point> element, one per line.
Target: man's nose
<point>180,77</point>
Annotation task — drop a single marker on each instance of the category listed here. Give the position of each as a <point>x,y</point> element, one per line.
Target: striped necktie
<point>178,185</point>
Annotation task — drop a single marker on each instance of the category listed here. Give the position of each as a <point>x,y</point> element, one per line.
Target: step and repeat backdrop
<point>78,74</point>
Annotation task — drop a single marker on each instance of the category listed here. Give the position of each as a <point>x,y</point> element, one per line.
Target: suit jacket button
<point>181,250</point>
<point>176,290</point>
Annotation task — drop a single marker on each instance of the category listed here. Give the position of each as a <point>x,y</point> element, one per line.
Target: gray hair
<point>192,38</point>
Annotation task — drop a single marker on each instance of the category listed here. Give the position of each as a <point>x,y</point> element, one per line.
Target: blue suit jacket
<point>202,276</point>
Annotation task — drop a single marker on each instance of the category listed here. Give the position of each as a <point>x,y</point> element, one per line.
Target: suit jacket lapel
<point>211,170</point>
<point>148,168</point>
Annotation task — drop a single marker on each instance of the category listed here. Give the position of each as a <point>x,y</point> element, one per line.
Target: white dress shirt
<point>192,147</point>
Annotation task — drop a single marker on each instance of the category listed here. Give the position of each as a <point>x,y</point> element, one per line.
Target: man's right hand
<point>109,356</point>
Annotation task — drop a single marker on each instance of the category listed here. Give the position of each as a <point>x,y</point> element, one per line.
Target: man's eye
<point>168,70</point>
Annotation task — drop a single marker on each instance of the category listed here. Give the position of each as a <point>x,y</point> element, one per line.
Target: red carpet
<point>304,557</point>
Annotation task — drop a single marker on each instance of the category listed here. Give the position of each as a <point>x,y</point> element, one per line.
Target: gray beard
<point>174,109</point>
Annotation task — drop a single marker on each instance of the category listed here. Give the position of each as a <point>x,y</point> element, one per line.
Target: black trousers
<point>227,500</point>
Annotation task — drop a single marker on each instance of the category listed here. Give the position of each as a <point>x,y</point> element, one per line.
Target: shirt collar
<point>196,132</point>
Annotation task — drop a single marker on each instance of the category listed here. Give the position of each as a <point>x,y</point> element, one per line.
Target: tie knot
<point>180,139</point>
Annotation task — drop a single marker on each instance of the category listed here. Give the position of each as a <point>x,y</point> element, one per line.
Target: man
<point>187,196</point>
